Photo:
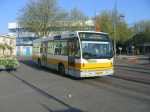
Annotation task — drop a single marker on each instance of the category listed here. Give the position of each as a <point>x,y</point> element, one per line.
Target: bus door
<point>73,54</point>
<point>71,57</point>
<point>44,53</point>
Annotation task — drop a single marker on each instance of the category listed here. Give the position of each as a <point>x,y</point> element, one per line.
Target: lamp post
<point>115,18</point>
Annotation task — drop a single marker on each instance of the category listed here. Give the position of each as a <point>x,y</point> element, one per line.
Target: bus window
<point>50,47</point>
<point>64,48</point>
<point>57,48</point>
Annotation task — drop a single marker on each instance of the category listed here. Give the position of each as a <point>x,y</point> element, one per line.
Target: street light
<point>114,18</point>
<point>115,28</point>
<point>114,21</point>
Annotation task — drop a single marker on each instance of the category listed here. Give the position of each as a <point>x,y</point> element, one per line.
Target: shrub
<point>9,63</point>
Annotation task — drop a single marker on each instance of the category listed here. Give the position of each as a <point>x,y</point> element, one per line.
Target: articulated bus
<point>79,53</point>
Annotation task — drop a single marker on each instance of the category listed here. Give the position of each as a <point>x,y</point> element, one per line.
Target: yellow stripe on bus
<point>80,66</point>
<point>56,61</point>
<point>96,66</point>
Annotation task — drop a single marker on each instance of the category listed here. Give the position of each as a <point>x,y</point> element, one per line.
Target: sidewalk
<point>136,61</point>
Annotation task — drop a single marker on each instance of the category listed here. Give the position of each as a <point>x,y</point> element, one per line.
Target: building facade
<point>24,39</point>
<point>7,46</point>
<point>141,43</point>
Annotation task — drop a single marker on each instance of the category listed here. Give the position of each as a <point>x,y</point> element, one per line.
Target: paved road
<point>133,73</point>
<point>31,89</point>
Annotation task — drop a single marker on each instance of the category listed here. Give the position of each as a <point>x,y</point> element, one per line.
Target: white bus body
<point>79,54</point>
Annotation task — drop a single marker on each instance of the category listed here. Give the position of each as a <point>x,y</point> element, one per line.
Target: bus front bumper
<point>97,73</point>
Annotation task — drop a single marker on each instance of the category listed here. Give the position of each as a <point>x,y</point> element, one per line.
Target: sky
<point>133,10</point>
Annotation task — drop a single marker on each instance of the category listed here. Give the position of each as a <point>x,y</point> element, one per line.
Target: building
<point>141,43</point>
<point>144,48</point>
<point>7,46</point>
<point>24,39</point>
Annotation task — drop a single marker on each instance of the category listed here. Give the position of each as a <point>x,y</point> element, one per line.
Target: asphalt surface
<point>31,89</point>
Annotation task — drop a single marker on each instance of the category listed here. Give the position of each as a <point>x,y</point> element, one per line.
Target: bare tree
<point>78,19</point>
<point>142,32</point>
<point>76,14</point>
<point>38,15</point>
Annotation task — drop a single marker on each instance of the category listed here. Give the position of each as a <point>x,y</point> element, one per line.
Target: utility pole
<point>114,21</point>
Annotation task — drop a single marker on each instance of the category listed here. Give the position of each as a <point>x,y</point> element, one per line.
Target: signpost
<point>133,50</point>
<point>120,49</point>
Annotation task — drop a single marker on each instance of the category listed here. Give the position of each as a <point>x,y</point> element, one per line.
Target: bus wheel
<point>39,62</point>
<point>61,69</point>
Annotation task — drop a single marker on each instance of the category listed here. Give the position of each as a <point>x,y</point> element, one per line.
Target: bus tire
<point>61,69</point>
<point>39,63</point>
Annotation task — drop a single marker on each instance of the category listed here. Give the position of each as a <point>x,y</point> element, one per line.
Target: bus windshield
<point>95,50</point>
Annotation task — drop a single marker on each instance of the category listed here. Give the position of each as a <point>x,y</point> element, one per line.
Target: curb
<point>133,60</point>
<point>133,66</point>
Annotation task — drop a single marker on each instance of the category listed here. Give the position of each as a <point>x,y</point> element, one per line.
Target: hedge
<point>8,63</point>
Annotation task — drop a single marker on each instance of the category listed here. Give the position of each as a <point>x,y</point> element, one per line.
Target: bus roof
<point>75,33</point>
<point>66,35</point>
<point>93,32</point>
